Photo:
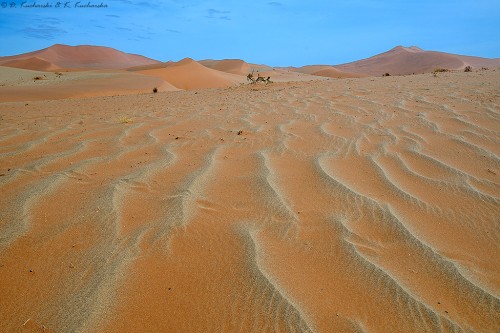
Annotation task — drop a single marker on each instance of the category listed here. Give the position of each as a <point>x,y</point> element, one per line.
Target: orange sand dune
<point>159,65</point>
<point>477,62</point>
<point>21,85</point>
<point>33,63</point>
<point>351,205</point>
<point>408,60</point>
<point>240,67</point>
<point>234,66</point>
<point>80,57</point>
<point>187,74</point>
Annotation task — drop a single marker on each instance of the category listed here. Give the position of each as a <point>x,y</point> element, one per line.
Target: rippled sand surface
<point>354,205</point>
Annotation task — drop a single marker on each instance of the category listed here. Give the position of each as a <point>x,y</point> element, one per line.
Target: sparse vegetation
<point>468,69</point>
<point>155,90</point>
<point>441,70</point>
<point>386,74</point>
<point>259,78</point>
<point>124,120</point>
<point>264,79</point>
<point>36,78</point>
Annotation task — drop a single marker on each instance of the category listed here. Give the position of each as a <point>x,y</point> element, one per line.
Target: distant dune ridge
<point>75,57</point>
<point>188,74</point>
<point>326,71</point>
<point>397,61</point>
<point>408,60</point>
<point>235,66</point>
<point>104,71</point>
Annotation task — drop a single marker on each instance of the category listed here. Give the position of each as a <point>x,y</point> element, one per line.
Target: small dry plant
<point>124,120</point>
<point>259,78</point>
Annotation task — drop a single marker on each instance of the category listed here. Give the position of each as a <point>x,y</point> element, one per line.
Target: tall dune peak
<point>186,61</point>
<point>83,56</point>
<point>412,49</point>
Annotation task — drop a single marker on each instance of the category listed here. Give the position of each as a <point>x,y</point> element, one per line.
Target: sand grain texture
<point>352,205</point>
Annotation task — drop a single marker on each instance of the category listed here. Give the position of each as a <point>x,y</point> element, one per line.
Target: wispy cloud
<point>275,4</point>
<point>213,12</point>
<point>47,20</point>
<point>113,16</point>
<point>146,4</point>
<point>173,31</point>
<point>218,14</point>
<point>144,37</point>
<point>43,31</point>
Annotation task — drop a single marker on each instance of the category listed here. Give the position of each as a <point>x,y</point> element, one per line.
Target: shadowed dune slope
<point>408,60</point>
<point>75,57</point>
<point>345,206</point>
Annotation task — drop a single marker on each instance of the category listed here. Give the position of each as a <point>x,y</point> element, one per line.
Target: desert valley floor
<point>343,205</point>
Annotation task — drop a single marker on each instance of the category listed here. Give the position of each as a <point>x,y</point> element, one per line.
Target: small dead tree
<point>259,78</point>
<point>250,78</point>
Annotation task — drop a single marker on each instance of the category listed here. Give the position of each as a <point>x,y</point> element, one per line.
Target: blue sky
<point>277,33</point>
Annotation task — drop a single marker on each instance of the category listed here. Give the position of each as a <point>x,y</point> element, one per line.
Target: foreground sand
<point>354,205</point>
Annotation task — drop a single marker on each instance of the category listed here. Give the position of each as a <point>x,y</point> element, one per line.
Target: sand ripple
<point>354,205</point>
